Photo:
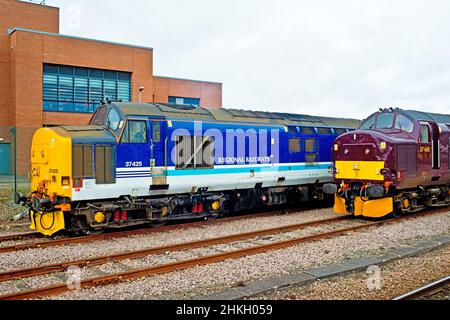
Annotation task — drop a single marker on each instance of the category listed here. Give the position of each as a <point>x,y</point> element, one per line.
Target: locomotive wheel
<point>84,229</point>
<point>158,223</point>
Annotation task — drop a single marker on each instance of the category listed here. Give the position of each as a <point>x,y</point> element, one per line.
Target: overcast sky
<point>336,58</point>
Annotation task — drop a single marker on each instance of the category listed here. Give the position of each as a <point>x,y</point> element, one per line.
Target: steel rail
<point>428,289</point>
<point>190,263</point>
<point>128,233</point>
<point>61,267</point>
<point>20,236</point>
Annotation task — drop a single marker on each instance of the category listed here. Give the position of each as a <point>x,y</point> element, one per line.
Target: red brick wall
<point>6,117</point>
<point>22,55</point>
<point>210,93</point>
<point>19,14</point>
<point>31,51</point>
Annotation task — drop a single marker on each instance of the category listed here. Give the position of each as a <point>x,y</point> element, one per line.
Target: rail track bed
<point>434,290</point>
<point>242,244</point>
<point>33,240</point>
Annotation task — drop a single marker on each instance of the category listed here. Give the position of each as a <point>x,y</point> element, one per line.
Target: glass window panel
<point>74,89</point>
<point>135,132</point>
<point>385,121</point>
<point>81,72</point>
<point>403,123</point>
<point>50,69</point>
<point>424,134</point>
<point>65,106</point>
<point>124,76</point>
<point>96,73</point>
<point>307,130</point>
<point>111,75</point>
<point>66,70</point>
<point>50,106</point>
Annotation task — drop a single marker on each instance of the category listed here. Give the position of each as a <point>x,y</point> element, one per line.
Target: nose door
<point>429,153</point>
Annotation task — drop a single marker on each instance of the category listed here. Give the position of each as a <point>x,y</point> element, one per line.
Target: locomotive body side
<point>133,167</point>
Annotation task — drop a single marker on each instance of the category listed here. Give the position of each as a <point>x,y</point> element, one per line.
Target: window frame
<point>423,125</point>
<point>80,90</point>
<point>126,127</point>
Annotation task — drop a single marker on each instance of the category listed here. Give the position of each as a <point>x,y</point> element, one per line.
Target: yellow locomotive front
<point>51,169</point>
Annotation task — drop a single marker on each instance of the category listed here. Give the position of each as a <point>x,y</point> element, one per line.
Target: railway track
<point>46,243</point>
<point>184,264</point>
<point>20,236</point>
<point>427,290</point>
<point>60,267</point>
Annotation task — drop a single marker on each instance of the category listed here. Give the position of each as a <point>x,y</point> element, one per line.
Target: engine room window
<point>311,145</point>
<point>294,146</point>
<point>424,134</point>
<point>135,132</point>
<point>82,162</point>
<point>105,165</point>
<point>368,124</point>
<point>404,124</point>
<point>324,130</point>
<point>194,152</point>
<point>307,130</point>
<point>385,120</point>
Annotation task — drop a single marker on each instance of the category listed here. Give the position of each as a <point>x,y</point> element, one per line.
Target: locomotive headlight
<point>336,147</point>
<point>346,151</point>
<point>383,146</point>
<point>367,152</point>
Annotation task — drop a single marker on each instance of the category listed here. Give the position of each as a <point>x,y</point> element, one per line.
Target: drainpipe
<point>14,132</point>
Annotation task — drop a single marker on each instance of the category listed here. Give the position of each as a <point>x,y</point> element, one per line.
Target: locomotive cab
<point>392,163</point>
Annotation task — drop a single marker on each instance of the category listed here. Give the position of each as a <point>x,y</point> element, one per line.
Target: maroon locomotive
<point>397,162</point>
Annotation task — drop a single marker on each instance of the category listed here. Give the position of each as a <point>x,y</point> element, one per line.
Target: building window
<point>185,101</point>
<point>72,89</point>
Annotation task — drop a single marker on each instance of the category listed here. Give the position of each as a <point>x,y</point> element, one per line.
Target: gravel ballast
<point>202,280</point>
<point>43,256</point>
<point>397,278</point>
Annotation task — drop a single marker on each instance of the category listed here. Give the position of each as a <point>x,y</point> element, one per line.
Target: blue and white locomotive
<point>150,163</point>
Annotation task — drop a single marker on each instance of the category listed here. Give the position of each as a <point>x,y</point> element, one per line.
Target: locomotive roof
<point>172,111</point>
<point>426,116</point>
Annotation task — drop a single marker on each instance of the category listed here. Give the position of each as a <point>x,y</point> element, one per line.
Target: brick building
<point>49,79</point>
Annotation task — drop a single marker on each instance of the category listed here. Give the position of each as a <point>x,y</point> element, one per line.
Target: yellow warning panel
<point>360,170</point>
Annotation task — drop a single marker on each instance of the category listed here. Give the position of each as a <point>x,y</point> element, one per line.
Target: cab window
<point>404,124</point>
<point>113,120</point>
<point>368,124</point>
<point>424,134</point>
<point>135,132</point>
<point>99,117</point>
<point>385,121</point>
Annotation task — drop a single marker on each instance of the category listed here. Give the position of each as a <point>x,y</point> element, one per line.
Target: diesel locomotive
<point>398,162</point>
<point>150,163</point>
